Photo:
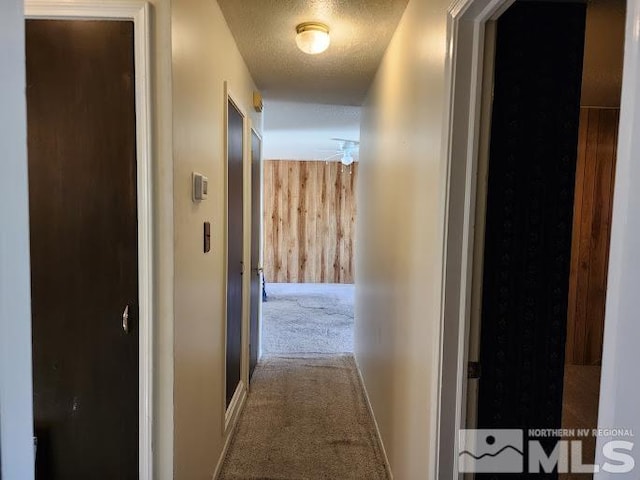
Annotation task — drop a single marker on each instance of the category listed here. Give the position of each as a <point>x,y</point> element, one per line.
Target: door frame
<point>467,33</point>
<point>237,401</point>
<point>466,40</point>
<point>470,405</point>
<point>136,11</point>
<point>252,131</point>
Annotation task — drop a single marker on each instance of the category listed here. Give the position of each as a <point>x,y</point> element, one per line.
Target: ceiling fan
<point>346,149</point>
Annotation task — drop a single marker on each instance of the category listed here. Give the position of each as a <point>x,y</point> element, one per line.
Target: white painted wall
<point>204,56</point>
<point>303,131</point>
<point>16,416</point>
<point>619,388</point>
<point>400,238</point>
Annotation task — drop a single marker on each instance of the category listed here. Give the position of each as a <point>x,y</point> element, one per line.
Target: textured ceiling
<point>360,32</point>
<point>303,131</point>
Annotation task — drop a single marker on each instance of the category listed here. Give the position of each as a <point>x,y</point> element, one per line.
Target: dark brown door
<point>532,163</point>
<point>84,258</point>
<point>256,273</point>
<point>235,145</point>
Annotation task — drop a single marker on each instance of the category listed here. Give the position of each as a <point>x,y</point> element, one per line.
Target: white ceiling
<point>303,131</point>
<point>360,32</point>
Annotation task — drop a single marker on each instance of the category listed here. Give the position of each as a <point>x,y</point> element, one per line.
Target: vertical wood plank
<point>345,227</point>
<point>331,240</point>
<point>351,212</point>
<point>311,216</point>
<point>309,221</point>
<point>292,225</point>
<point>591,233</point>
<point>575,238</point>
<point>285,216</point>
<point>582,286</point>
<point>300,238</point>
<point>267,217</point>
<point>599,247</point>
<point>280,201</point>
<point>322,227</point>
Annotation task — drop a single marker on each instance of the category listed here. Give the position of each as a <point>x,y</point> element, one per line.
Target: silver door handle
<point>125,319</point>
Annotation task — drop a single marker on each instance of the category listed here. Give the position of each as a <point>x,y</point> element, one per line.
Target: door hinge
<point>473,370</point>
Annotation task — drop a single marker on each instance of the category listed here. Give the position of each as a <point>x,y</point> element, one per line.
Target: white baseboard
<point>232,431</point>
<point>387,465</point>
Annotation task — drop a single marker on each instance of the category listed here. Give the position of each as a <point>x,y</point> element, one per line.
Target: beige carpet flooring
<point>307,318</point>
<point>305,418</point>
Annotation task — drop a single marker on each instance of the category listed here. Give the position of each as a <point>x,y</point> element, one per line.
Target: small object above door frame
<point>136,11</point>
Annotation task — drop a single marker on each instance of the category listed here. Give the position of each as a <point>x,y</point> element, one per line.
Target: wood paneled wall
<point>309,221</point>
<point>591,231</point>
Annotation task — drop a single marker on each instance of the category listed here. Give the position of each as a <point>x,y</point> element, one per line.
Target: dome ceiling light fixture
<point>312,37</point>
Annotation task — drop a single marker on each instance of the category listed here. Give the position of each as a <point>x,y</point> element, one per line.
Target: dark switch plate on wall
<point>207,237</point>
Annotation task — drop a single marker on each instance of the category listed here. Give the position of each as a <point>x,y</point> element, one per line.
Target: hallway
<point>253,120</point>
<point>305,417</point>
<point>306,414</point>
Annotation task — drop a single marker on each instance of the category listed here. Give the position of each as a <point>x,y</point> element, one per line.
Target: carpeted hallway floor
<point>307,318</point>
<point>306,416</point>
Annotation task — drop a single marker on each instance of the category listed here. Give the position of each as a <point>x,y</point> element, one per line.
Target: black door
<point>531,180</point>
<point>235,239</point>
<point>84,258</point>
<point>256,273</point>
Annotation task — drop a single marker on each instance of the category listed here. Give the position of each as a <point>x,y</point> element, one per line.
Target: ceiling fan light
<point>347,158</point>
<point>312,38</point>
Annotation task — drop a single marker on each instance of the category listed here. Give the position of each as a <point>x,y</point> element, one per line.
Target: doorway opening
<point>306,415</point>
<point>309,216</point>
<point>591,231</point>
<point>309,212</point>
<point>539,183</point>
